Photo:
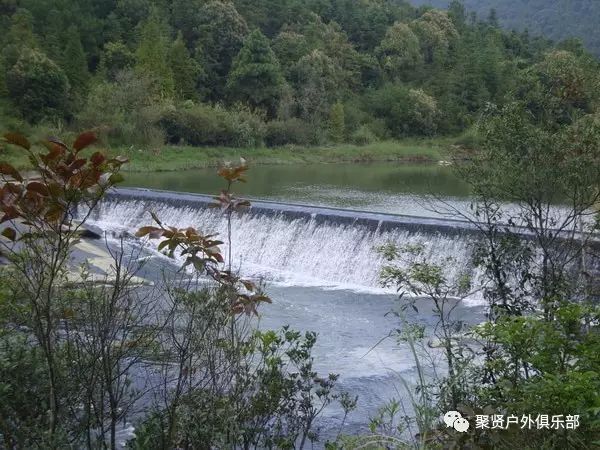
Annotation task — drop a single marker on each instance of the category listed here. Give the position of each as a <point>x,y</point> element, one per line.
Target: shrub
<point>291,131</point>
<point>203,124</point>
<point>124,111</point>
<point>405,111</point>
<point>363,136</point>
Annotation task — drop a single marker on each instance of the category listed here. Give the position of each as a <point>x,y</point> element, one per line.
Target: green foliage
<point>186,71</point>
<point>399,51</point>
<point>337,124</point>
<point>363,136</point>
<point>37,86</point>
<point>565,19</point>
<point>221,34</point>
<point>405,111</point>
<point>299,60</point>
<point>152,56</point>
<point>116,58</point>
<point>290,132</point>
<point>213,125</point>
<point>75,64</point>
<point>255,76</point>
<point>436,33</point>
<point>124,110</point>
<point>318,81</point>
<point>273,403</point>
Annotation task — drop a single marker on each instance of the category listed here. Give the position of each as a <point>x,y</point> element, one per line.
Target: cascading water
<point>300,250</point>
<point>314,248</point>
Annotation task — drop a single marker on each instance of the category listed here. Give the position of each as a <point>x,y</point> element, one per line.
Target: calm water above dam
<point>383,187</point>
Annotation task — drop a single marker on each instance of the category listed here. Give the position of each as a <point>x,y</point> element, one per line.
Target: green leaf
<point>10,234</point>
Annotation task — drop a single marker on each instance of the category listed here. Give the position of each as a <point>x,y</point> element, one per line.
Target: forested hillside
<point>557,19</point>
<point>251,73</point>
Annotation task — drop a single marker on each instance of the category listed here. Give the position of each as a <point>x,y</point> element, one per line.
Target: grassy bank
<point>172,158</point>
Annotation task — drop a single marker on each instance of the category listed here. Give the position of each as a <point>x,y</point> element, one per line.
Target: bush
<point>291,131</point>
<point>213,125</point>
<point>363,136</point>
<point>406,111</point>
<point>124,111</point>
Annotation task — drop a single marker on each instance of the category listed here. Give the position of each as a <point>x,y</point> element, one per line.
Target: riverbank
<point>174,158</point>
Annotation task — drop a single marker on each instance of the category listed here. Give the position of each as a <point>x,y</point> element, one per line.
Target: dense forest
<point>557,20</point>
<point>252,73</point>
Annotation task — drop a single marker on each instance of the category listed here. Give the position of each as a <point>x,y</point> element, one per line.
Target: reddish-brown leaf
<point>146,230</point>
<point>36,186</point>
<point>10,213</point>
<point>97,158</point>
<point>84,140</point>
<point>77,164</point>
<point>7,169</point>
<point>54,151</point>
<point>17,139</point>
<point>57,141</point>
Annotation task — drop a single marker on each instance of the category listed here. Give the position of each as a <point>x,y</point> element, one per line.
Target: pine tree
<point>186,71</point>
<point>256,76</point>
<point>152,56</point>
<point>74,62</point>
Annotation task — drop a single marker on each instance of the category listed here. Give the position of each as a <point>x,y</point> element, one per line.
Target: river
<point>322,275</point>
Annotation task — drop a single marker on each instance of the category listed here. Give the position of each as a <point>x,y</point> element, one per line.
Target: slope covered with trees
<point>240,73</point>
<point>557,20</point>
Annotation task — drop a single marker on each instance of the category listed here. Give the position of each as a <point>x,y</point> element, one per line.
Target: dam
<point>294,243</point>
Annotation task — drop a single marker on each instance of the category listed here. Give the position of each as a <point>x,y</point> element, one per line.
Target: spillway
<point>297,244</point>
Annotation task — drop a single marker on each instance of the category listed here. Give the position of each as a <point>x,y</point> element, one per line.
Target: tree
<point>436,33</point>
<point>186,71</point>
<point>152,55</point>
<point>255,76</point>
<point>116,58</point>
<point>289,47</point>
<point>318,81</point>
<point>559,89</point>
<point>221,35</point>
<point>37,86</point>
<point>19,37</point>
<point>405,111</point>
<point>399,51</point>
<point>74,63</point>
<point>186,18</point>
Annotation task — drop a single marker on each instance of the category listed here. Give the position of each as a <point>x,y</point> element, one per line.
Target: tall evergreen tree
<point>256,76</point>
<point>74,62</point>
<point>152,55</point>
<point>186,71</point>
<point>221,36</point>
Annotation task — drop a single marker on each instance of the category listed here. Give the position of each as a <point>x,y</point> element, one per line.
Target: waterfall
<point>297,245</point>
